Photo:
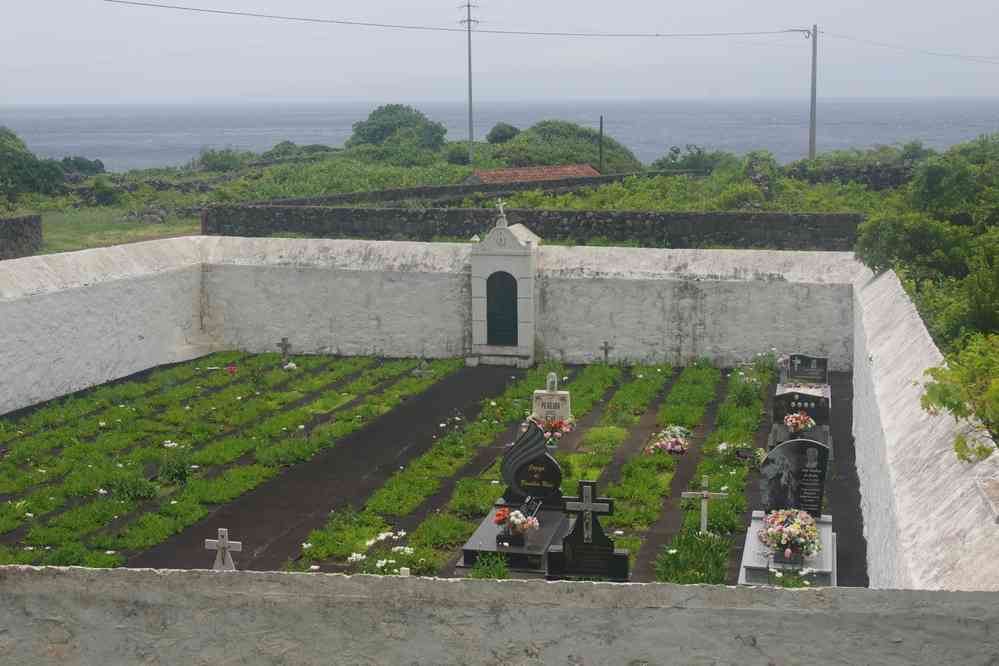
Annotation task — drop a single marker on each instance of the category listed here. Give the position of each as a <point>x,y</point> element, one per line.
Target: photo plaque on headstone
<point>793,476</point>
<point>804,369</point>
<point>816,406</point>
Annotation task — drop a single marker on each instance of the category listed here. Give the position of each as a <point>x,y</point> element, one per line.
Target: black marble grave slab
<point>793,476</point>
<point>529,558</point>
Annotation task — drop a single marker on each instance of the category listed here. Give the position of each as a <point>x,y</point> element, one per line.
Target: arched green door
<point>501,310</point>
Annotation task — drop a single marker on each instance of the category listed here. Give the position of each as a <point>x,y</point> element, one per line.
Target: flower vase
<point>510,538</point>
<point>797,558</point>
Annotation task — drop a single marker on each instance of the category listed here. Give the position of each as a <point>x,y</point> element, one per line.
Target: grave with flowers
<point>802,406</point>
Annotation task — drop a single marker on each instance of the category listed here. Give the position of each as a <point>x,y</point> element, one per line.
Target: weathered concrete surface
<point>70,321</point>
<point>678,305</point>
<point>80,616</point>
<point>927,525</point>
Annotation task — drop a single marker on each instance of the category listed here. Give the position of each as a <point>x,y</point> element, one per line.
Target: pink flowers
<point>674,440</point>
<point>799,422</point>
<point>790,531</point>
<point>231,369</point>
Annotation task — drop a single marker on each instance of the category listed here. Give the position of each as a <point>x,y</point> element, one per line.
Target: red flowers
<point>502,515</point>
<point>231,369</point>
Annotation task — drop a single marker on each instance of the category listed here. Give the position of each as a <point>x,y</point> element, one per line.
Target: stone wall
<point>926,523</point>
<point>778,231</point>
<point>20,236</point>
<point>70,321</point>
<point>83,616</point>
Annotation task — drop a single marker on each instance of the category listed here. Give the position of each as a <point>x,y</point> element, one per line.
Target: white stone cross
<point>704,495</point>
<point>588,507</point>
<point>552,382</point>
<point>502,222</point>
<point>223,548</point>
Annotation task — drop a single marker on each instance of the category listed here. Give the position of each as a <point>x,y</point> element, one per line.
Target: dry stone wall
<point>85,616</point>
<point>777,231</point>
<point>20,236</point>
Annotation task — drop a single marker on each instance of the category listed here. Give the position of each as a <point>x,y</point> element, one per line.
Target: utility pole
<point>601,145</point>
<point>468,22</point>
<point>815,76</point>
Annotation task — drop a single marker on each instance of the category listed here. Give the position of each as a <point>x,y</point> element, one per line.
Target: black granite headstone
<point>791,403</point>
<point>793,476</point>
<point>530,471</point>
<point>587,551</point>
<point>805,369</point>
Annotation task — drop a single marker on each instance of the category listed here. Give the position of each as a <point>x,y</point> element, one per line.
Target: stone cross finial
<point>502,221</point>
<point>552,383</point>
<point>704,495</point>
<point>223,547</point>
<point>588,506</point>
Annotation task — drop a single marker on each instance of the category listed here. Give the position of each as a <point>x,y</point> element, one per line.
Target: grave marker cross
<point>606,347</point>
<point>704,495</point>
<point>588,506</point>
<point>223,548</point>
<point>285,347</point>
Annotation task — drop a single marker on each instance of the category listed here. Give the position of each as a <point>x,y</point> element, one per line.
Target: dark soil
<point>273,520</point>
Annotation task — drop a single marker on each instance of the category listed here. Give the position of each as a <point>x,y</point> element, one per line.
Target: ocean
<point>133,137</point>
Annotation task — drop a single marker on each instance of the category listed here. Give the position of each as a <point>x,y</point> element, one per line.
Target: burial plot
<point>534,480</point>
<point>804,369</point>
<point>792,476</point>
<point>815,406</point>
<point>587,551</point>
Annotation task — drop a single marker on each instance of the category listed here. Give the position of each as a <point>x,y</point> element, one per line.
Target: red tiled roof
<point>529,174</point>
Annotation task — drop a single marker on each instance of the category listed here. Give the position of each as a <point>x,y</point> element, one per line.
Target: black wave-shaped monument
<point>530,471</point>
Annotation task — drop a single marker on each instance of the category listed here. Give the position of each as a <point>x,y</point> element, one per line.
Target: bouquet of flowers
<point>799,422</point>
<point>553,428</point>
<point>674,439</point>
<point>790,532</point>
<point>516,521</point>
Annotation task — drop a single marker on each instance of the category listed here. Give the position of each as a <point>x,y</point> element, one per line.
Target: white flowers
<point>381,564</point>
<point>306,545</point>
<point>405,550</point>
<point>301,427</point>
<point>195,466</point>
<point>672,551</point>
<point>109,552</point>
<point>290,365</point>
<point>723,447</point>
<point>29,515</point>
<point>170,444</point>
<point>492,403</point>
<point>357,557</point>
<point>724,489</point>
<point>101,491</point>
<point>443,425</point>
<point>314,567</point>
<point>103,424</point>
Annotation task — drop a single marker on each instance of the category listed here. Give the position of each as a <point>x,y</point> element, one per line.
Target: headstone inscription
<point>223,549</point>
<point>793,476</point>
<point>552,404</point>
<point>530,471</point>
<point>587,550</point>
<point>804,369</point>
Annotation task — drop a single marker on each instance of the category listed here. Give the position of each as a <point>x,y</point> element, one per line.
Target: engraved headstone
<point>530,471</point>
<point>793,476</point>
<point>587,551</point>
<point>552,404</point>
<point>223,549</point>
<point>804,369</point>
<point>793,402</point>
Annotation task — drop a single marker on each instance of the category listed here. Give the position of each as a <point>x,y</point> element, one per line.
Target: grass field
<point>102,227</point>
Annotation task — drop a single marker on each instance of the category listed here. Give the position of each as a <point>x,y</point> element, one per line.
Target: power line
<point>988,60</point>
<point>432,28</point>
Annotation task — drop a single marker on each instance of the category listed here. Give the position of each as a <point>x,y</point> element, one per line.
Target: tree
<point>501,133</point>
<point>558,142</point>
<point>391,119</point>
<point>694,159</point>
<point>22,172</point>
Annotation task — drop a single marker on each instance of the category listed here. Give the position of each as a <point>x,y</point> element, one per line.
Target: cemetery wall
<point>63,616</point>
<point>745,230</point>
<point>339,297</point>
<point>926,523</point>
<point>20,236</point>
<point>70,321</point>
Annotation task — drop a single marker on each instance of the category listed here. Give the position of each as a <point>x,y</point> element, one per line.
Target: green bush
<point>501,133</point>
<point>82,166</point>
<point>559,142</point>
<point>694,158</point>
<point>456,153</point>
<point>490,566</point>
<point>224,159</point>
<point>104,192</point>
<point>411,125</point>
<point>693,558</point>
<point>967,387</point>
<point>21,172</point>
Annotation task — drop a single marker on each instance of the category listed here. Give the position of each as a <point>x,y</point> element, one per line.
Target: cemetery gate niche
<point>501,309</point>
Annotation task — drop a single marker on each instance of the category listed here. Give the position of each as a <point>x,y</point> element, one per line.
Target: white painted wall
<point>70,321</point>
<point>927,525</point>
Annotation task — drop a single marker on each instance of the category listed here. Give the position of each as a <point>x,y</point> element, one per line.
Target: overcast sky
<point>89,51</point>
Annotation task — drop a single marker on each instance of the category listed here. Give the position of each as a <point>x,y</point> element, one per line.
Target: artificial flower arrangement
<point>516,521</point>
<point>799,422</point>
<point>553,429</point>
<point>790,532</point>
<point>674,439</point>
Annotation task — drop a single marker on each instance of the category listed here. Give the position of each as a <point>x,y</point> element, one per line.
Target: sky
<point>90,51</point>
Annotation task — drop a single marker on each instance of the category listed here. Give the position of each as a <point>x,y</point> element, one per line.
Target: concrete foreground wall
<point>84,616</point>
<point>927,525</point>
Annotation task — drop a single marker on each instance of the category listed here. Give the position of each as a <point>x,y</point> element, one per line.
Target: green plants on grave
<point>631,401</point>
<point>490,566</point>
<point>442,530</point>
<point>693,558</point>
<point>691,394</point>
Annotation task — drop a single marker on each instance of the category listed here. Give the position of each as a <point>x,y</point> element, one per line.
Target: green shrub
<point>967,388</point>
<point>104,192</point>
<point>490,566</point>
<point>692,558</point>
<point>559,142</point>
<point>442,531</point>
<point>456,153</point>
<point>404,122</point>
<point>695,158</point>
<point>501,133</point>
<point>224,159</point>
